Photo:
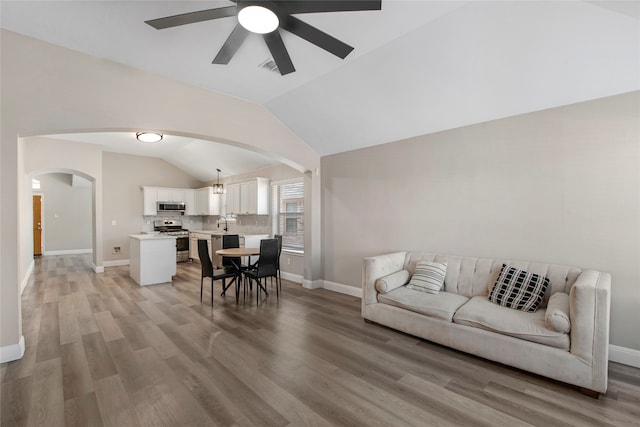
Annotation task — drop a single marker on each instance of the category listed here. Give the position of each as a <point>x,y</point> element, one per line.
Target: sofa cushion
<point>518,289</point>
<point>557,315</point>
<point>442,305</point>
<point>479,312</point>
<point>394,280</point>
<point>428,277</point>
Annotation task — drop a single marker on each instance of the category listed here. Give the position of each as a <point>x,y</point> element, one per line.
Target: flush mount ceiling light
<point>218,188</point>
<point>258,18</point>
<point>149,136</point>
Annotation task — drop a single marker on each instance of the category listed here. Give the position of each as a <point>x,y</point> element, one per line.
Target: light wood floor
<point>102,351</point>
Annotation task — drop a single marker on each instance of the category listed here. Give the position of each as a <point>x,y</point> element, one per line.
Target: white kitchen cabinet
<point>150,198</point>
<point>190,202</point>
<point>193,244</point>
<point>171,195</point>
<point>216,244</point>
<point>248,194</point>
<point>193,247</point>
<point>207,203</point>
<point>249,197</point>
<point>233,199</point>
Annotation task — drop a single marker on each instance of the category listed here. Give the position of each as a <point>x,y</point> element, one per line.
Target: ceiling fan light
<point>258,19</point>
<point>149,136</point>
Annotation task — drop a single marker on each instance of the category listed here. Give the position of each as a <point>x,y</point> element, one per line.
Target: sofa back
<point>470,276</point>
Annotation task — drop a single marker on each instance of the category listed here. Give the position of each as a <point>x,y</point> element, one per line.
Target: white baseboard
<point>116,263</point>
<point>97,268</point>
<point>68,252</point>
<point>626,356</point>
<point>12,352</point>
<point>296,278</point>
<point>343,289</point>
<point>27,275</point>
<point>312,284</point>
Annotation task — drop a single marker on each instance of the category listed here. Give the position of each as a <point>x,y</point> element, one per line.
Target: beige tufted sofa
<point>461,316</point>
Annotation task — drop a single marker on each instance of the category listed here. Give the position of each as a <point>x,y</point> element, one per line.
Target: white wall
<point>66,213</point>
<point>559,186</point>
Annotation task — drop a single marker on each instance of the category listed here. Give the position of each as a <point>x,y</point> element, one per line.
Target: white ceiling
<point>418,66</point>
<point>198,158</point>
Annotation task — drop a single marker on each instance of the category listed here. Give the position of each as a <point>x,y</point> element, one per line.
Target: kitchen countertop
<point>220,233</point>
<point>151,236</point>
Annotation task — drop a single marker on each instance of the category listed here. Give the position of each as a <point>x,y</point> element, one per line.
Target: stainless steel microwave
<point>171,207</point>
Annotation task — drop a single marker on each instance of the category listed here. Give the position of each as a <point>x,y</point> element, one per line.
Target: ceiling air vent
<point>270,65</point>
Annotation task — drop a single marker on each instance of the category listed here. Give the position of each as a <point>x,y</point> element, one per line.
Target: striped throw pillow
<point>428,277</point>
<point>519,289</point>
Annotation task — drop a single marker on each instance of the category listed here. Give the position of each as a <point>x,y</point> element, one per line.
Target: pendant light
<point>218,188</point>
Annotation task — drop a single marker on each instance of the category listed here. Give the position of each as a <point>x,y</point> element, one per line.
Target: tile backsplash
<point>188,222</point>
<point>243,224</point>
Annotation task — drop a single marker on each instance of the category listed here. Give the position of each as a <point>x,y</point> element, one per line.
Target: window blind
<point>288,214</point>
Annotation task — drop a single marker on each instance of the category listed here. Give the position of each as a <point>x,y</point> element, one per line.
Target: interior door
<point>37,225</point>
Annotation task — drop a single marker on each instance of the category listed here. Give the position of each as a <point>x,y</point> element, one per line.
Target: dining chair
<point>219,274</point>
<point>266,266</point>
<point>278,237</point>
<point>230,241</point>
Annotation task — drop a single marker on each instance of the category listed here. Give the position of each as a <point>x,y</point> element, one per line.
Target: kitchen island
<point>152,258</point>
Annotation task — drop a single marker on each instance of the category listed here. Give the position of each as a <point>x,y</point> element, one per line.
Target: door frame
<point>33,196</point>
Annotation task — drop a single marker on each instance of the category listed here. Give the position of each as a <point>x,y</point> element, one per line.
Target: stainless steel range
<point>173,227</point>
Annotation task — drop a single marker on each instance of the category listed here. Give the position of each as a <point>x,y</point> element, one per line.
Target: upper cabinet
<point>206,203</point>
<point>153,195</point>
<point>150,197</point>
<point>245,198</point>
<point>249,197</point>
<point>190,202</point>
<point>171,195</point>
<point>232,199</point>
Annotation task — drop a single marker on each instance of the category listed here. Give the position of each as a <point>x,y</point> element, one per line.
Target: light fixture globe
<point>258,17</point>
<point>149,136</point>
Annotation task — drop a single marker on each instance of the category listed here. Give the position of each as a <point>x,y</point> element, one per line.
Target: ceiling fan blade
<point>231,46</point>
<point>279,52</point>
<point>192,17</point>
<point>313,6</point>
<point>315,36</point>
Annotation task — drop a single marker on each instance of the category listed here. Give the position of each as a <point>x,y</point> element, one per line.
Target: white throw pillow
<point>428,277</point>
<point>557,316</point>
<point>392,281</point>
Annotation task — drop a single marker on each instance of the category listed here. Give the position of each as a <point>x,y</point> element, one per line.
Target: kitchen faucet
<point>226,227</point>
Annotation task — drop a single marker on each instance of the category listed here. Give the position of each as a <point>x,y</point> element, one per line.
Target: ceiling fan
<point>266,18</point>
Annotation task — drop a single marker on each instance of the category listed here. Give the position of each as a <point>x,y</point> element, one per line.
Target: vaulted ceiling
<point>418,66</point>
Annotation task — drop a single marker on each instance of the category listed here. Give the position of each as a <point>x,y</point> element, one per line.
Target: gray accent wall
<point>559,186</point>
<point>66,213</point>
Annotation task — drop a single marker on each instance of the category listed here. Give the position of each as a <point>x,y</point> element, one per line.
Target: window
<point>288,213</point>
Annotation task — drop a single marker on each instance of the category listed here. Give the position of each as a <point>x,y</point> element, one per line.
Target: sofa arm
<point>590,301</point>
<point>376,267</point>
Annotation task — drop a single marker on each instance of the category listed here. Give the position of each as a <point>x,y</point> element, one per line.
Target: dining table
<point>241,252</point>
